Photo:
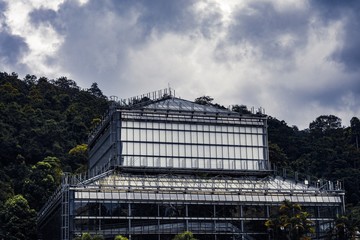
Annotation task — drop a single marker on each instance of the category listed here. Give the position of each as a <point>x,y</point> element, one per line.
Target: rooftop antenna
<point>171,91</point>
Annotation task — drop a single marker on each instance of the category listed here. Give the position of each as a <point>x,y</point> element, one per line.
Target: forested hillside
<point>325,150</point>
<point>43,132</point>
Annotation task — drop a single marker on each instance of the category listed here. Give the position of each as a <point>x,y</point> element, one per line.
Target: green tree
<point>18,220</point>
<point>98,237</point>
<point>355,130</point>
<point>240,109</point>
<point>345,228</point>
<point>277,155</point>
<point>185,236</point>
<point>77,159</point>
<point>207,100</point>
<point>6,190</point>
<point>290,223</point>
<point>8,92</point>
<point>325,122</point>
<point>45,176</point>
<point>204,100</point>
<point>65,83</point>
<point>119,237</point>
<point>86,236</point>
<point>95,90</point>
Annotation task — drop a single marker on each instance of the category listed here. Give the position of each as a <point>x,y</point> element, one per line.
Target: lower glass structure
<point>161,206</point>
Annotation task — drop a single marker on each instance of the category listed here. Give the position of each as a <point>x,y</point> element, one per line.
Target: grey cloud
<point>2,6</point>
<point>97,39</point>
<point>43,15</point>
<point>261,25</point>
<point>211,23</point>
<point>338,96</point>
<point>162,15</point>
<point>178,17</point>
<point>347,12</point>
<point>333,9</point>
<point>100,35</point>
<point>167,15</point>
<point>12,47</point>
<point>349,53</point>
<point>300,107</point>
<point>332,97</point>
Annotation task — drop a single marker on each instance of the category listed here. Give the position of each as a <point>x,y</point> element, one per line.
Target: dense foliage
<point>44,126</point>
<point>290,222</point>
<point>325,150</point>
<point>187,235</point>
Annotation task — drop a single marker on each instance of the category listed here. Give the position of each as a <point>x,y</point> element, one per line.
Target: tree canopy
<point>44,126</point>
<point>17,219</point>
<point>187,235</point>
<point>290,222</point>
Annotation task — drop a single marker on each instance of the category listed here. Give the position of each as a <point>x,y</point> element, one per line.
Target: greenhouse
<point>161,165</point>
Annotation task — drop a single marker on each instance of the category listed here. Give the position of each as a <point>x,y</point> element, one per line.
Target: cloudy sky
<point>298,59</point>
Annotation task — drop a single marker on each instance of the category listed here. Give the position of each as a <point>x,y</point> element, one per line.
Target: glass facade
<point>197,146</point>
<point>186,137</point>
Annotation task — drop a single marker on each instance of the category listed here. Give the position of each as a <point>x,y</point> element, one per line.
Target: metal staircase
<point>65,210</point>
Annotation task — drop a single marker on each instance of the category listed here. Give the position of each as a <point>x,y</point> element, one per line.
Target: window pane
<point>172,210</point>
<point>228,211</point>
<point>242,139</point>
<point>254,211</point>
<point>201,210</point>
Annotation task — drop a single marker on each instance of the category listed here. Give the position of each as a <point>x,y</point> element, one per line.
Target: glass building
<point>160,165</point>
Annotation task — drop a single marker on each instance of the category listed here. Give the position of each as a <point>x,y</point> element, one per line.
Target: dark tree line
<point>325,150</point>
